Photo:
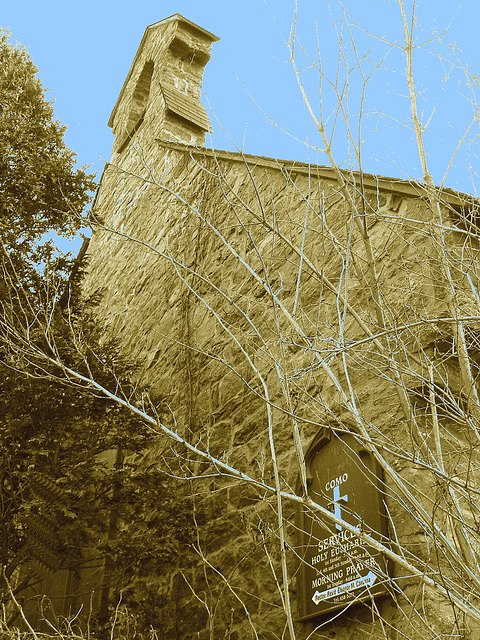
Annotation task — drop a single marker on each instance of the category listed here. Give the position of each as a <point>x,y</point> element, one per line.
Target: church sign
<point>337,567</point>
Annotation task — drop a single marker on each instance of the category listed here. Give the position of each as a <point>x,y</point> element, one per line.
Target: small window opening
<point>139,103</point>
<point>140,95</point>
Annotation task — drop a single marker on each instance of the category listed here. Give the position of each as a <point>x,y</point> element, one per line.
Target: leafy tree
<point>41,190</point>
<point>51,431</point>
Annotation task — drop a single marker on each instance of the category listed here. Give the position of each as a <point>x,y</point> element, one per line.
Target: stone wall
<point>186,264</point>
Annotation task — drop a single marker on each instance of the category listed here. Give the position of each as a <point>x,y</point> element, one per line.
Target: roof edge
<point>193,25</point>
<point>369,180</point>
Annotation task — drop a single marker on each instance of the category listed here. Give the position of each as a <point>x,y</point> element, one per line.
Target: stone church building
<point>307,335</point>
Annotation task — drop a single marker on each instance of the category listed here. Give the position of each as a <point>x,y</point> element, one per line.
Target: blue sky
<point>84,51</point>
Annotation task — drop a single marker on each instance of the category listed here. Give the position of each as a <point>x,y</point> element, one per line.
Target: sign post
<point>337,567</point>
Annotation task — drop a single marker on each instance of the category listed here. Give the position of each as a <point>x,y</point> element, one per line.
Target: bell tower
<point>160,98</point>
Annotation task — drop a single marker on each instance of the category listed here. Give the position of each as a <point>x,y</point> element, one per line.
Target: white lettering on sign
<point>336,482</point>
<point>332,577</point>
<point>366,581</point>
<point>336,539</point>
<point>321,557</point>
<point>319,582</point>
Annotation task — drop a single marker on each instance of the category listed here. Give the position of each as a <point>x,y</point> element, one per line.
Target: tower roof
<point>176,17</point>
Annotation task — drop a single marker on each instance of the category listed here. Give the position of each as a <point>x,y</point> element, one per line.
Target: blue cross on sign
<point>337,509</point>
<point>334,483</point>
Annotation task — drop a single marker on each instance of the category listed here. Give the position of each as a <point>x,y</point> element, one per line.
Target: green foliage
<point>156,537</point>
<point>40,189</point>
<point>77,473</point>
<point>56,474</point>
<point>56,438</point>
<point>41,192</point>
